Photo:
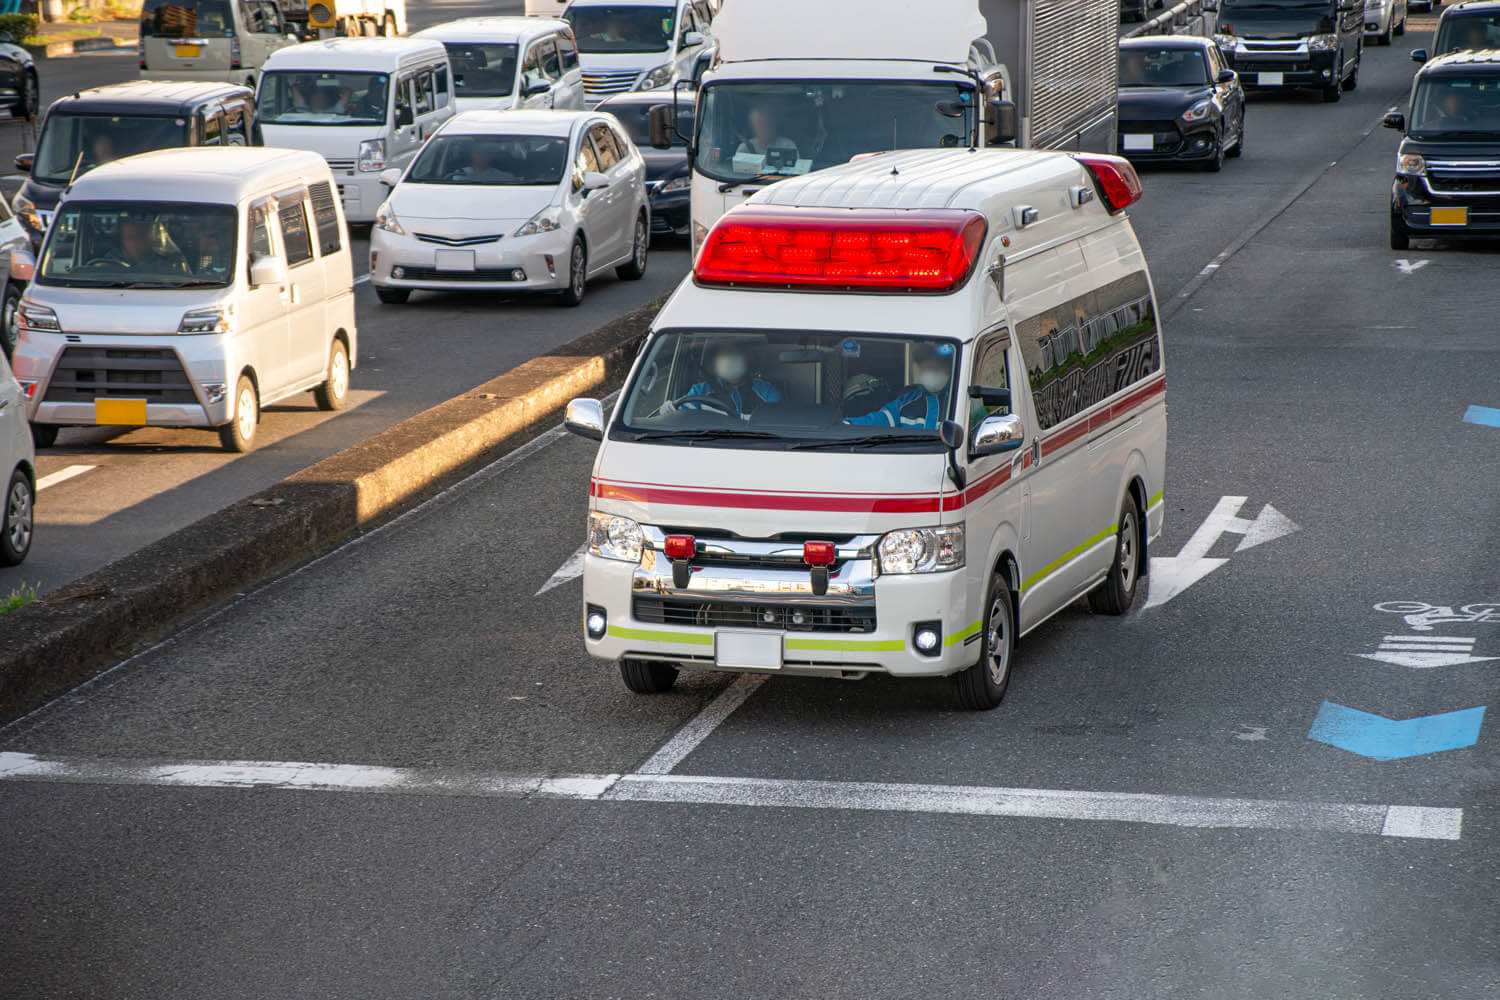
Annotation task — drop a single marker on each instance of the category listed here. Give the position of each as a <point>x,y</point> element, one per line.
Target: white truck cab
<point>904,411</point>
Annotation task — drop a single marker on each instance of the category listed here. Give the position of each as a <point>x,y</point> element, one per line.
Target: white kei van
<point>904,411</point>
<point>364,104</point>
<point>189,288</point>
<point>505,63</point>
<point>226,41</point>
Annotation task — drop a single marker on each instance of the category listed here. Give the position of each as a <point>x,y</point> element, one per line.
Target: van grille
<point>84,374</point>
<point>605,84</point>
<point>339,164</point>
<point>710,614</point>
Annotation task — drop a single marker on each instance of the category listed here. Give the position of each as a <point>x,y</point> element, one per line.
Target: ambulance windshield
<point>791,390</point>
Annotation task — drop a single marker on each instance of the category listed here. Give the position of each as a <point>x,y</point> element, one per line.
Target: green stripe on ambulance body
<point>653,635</point>
<point>960,636</point>
<point>1069,555</point>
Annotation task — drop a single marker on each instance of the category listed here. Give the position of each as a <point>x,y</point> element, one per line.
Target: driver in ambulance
<point>731,383</point>
<point>923,403</point>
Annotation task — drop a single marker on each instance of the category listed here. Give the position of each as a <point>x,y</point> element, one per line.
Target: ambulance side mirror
<point>997,435</point>
<point>585,417</point>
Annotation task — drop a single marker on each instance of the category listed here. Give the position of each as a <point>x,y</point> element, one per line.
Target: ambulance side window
<point>989,371</point>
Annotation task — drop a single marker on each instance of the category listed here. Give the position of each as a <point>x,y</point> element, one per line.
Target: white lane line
<point>362,278</point>
<point>62,475</point>
<point>570,570</point>
<point>1199,812</point>
<point>698,728</point>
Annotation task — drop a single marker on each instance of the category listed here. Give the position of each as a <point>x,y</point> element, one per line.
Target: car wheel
<point>641,241</point>
<point>334,392</point>
<point>1352,80</point>
<point>1238,149</point>
<point>1400,235</point>
<point>1115,595</point>
<point>392,296</point>
<point>1384,38</point>
<point>1332,93</point>
<point>1215,163</point>
<point>578,273</point>
<point>239,434</point>
<point>9,332</point>
<point>647,676</point>
<point>27,105</point>
<point>982,686</point>
<point>17,519</point>
<point>43,435</point>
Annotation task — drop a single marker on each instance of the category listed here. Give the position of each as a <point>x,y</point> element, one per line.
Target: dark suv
<point>1286,44</point>
<point>1448,167</point>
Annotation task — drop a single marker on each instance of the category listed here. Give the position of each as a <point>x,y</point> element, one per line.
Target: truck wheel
<point>239,434</point>
<point>17,518</point>
<point>43,435</point>
<point>1115,595</point>
<point>647,676</point>
<point>334,392</point>
<point>982,686</point>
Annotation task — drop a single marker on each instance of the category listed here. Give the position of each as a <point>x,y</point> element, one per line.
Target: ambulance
<point>903,412</point>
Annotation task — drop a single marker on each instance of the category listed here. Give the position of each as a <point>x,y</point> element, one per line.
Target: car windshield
<point>483,70</point>
<point>627,28</point>
<point>290,97</point>
<point>140,245</point>
<point>72,142</point>
<point>187,19</point>
<point>1467,31</point>
<point>758,130</point>
<point>491,159</point>
<point>1162,68</point>
<point>791,390</point>
<point>636,117</point>
<point>1456,108</point>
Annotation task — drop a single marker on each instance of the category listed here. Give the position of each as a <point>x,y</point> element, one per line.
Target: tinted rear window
<point>187,19</point>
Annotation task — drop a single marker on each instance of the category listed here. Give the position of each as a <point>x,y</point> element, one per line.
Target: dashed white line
<point>362,279</point>
<point>62,475</point>
<point>700,726</point>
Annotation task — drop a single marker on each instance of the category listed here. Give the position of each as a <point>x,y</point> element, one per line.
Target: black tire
<point>578,274</point>
<point>9,331</point>
<point>1399,29</point>
<point>1115,595</point>
<point>982,686</point>
<point>333,394</point>
<point>1400,235</point>
<point>239,434</point>
<point>1238,149</point>
<point>44,435</point>
<point>17,518</point>
<point>29,102</point>
<point>640,244</point>
<point>647,676</point>
<point>1385,37</point>
<point>1352,80</point>
<point>1332,94</point>
<point>392,296</point>
<point>1215,163</point>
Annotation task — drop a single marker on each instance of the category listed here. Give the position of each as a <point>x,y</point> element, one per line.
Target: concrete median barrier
<point>72,633</point>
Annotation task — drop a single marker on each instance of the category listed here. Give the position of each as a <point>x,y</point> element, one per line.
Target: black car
<point>18,79</point>
<point>668,178</point>
<point>1448,167</point>
<point>1471,25</point>
<point>1179,102</point>
<point>1286,44</point>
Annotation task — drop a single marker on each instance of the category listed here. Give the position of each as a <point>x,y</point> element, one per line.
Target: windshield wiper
<point>703,435</point>
<point>728,186</point>
<point>869,441</point>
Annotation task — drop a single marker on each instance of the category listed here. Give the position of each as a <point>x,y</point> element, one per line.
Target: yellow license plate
<point>187,51</point>
<point>1450,216</point>
<point>120,411</point>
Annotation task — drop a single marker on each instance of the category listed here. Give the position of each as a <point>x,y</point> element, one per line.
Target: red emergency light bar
<point>844,250</point>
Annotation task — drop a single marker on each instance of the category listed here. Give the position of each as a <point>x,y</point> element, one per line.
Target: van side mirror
<point>1227,76</point>
<point>659,119</point>
<point>1395,120</point>
<point>404,116</point>
<point>24,162</point>
<point>999,122</point>
<point>585,417</point>
<point>1419,55</point>
<point>997,435</point>
<point>267,269</point>
<point>390,176</point>
<point>532,88</point>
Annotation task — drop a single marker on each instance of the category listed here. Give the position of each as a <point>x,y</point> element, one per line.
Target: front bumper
<point>1173,142</point>
<point>1414,202</point>
<point>1296,69</point>
<point>361,192</point>
<point>671,213</point>
<point>407,262</point>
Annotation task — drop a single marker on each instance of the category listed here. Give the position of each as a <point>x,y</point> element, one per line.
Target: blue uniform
<point>915,407</point>
<point>765,392</point>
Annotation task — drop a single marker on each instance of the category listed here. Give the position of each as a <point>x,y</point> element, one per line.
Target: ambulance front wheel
<point>647,676</point>
<point>1115,595</point>
<point>982,686</point>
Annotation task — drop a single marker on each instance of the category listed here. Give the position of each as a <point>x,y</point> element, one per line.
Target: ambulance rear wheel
<point>982,686</point>
<point>647,676</point>
<point>1115,595</point>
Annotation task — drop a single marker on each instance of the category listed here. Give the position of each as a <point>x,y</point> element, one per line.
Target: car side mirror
<point>585,417</point>
<point>999,122</point>
<point>24,162</point>
<point>1395,120</point>
<point>267,269</point>
<point>535,87</point>
<point>659,119</point>
<point>404,116</point>
<point>692,38</point>
<point>594,181</point>
<point>1419,55</point>
<point>997,435</point>
<point>1228,76</point>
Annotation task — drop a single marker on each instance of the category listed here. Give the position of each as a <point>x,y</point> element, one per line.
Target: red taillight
<point>848,250</point>
<point>234,53</point>
<point>1117,179</point>
<point>819,553</point>
<point>681,546</point>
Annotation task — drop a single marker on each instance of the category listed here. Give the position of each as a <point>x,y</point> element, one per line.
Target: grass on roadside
<point>18,598</point>
<point>65,35</point>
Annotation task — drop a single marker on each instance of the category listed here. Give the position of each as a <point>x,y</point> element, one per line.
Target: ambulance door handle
<point>1036,451</point>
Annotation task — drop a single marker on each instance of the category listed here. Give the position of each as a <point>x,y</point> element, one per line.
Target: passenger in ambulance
<point>923,403</point>
<point>731,384</point>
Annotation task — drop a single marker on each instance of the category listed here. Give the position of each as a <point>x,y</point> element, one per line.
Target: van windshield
<point>1459,108</point>
<point>291,97</point>
<point>791,390</point>
<point>626,28</point>
<point>187,19</point>
<point>487,70</point>
<point>86,141</point>
<point>491,159</point>
<point>1460,31</point>
<point>96,244</point>
<point>759,129</point>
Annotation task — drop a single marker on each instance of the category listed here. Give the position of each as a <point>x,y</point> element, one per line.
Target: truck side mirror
<point>999,122</point>
<point>997,435</point>
<point>659,118</point>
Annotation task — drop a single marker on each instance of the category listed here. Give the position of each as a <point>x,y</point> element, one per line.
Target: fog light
<point>1327,73</point>
<point>551,265</point>
<point>398,272</point>
<point>518,275</point>
<point>28,387</point>
<point>798,618</point>
<point>595,622</point>
<point>928,638</point>
<point>213,392</point>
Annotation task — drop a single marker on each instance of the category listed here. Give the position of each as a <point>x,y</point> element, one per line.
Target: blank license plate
<point>1269,79</point>
<point>187,51</point>
<point>1140,142</point>
<point>455,260</point>
<point>1450,216</point>
<point>748,649</point>
<point>120,411</point>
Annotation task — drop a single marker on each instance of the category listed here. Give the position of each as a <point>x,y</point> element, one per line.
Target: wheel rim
<point>640,245</point>
<point>339,379</point>
<point>18,516</point>
<point>8,321</point>
<point>1127,560</point>
<point>576,278</point>
<point>245,413</point>
<point>997,643</point>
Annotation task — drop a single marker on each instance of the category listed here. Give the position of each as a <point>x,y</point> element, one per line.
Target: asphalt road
<point>824,839</point>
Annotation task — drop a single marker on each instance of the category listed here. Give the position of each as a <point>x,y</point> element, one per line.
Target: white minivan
<point>17,472</point>
<point>500,63</point>
<point>903,411</point>
<point>637,44</point>
<point>363,104</point>
<point>189,288</point>
<point>227,41</point>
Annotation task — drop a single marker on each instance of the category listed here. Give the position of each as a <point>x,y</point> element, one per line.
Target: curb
<point>85,626</point>
<point>52,50</point>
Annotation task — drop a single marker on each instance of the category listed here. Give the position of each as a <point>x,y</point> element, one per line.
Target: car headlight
<point>34,317</point>
<point>547,220</point>
<point>372,154</point>
<point>385,218</point>
<point>1198,111</point>
<point>1322,43</point>
<point>922,550</point>
<point>615,537</point>
<point>212,320</point>
<point>677,184</point>
<point>1226,41</point>
<point>658,77</point>
<point>1411,164</point>
<point>25,210</point>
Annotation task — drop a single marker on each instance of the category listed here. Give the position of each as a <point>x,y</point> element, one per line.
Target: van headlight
<point>658,77</point>
<point>385,218</point>
<point>1198,111</point>
<point>922,550</point>
<point>1411,164</point>
<point>34,317</point>
<point>1322,43</point>
<point>213,320</point>
<point>372,155</point>
<point>615,537</point>
<point>547,220</point>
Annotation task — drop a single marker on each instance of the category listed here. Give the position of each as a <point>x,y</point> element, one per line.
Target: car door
<point>307,332</point>
<point>261,336</point>
<point>552,68</point>
<point>533,78</point>
<point>687,24</point>
<point>569,91</point>
<point>1231,96</point>
<point>614,204</point>
<point>1000,488</point>
<point>587,206</point>
<point>405,138</point>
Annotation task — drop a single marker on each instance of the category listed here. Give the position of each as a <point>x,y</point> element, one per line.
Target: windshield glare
<point>1162,68</point>
<point>187,19</point>
<point>1456,107</point>
<point>491,159</point>
<point>86,141</point>
<point>622,29</point>
<point>776,389</point>
<point>140,245</point>
<point>303,98</point>
<point>487,70</point>
<point>752,130</point>
<point>1469,31</point>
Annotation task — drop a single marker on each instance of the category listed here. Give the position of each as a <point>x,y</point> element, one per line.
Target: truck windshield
<point>140,245</point>
<point>86,141</point>
<point>791,390</point>
<point>1460,31</point>
<point>290,97</point>
<point>491,159</point>
<point>187,19</point>
<point>761,129</point>
<point>487,70</point>
<point>626,28</point>
<point>1459,108</point>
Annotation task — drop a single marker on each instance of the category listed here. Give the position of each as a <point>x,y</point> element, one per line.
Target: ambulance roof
<point>937,31</point>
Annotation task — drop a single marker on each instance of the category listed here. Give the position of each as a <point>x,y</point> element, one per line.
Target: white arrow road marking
<point>570,570</point>
<point>1269,525</point>
<point>1426,651</point>
<point>1410,266</point>
<point>62,475</point>
<point>1170,576</point>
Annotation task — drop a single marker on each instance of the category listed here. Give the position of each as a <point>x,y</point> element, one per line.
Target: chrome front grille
<point>605,84</point>
<point>1463,177</point>
<point>458,241</point>
<point>782,617</point>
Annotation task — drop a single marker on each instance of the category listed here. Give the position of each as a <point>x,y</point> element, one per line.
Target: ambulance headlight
<point>614,537</point>
<point>922,550</point>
